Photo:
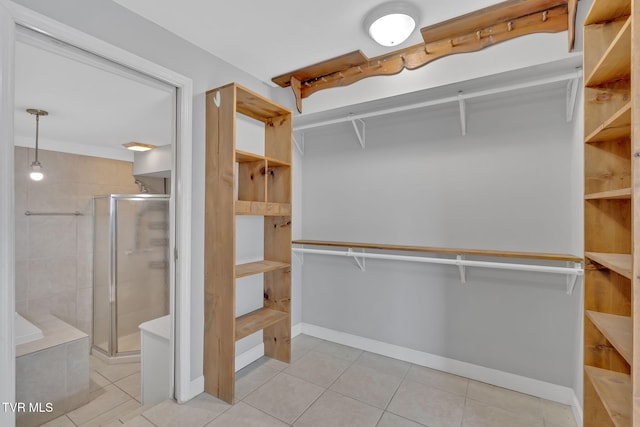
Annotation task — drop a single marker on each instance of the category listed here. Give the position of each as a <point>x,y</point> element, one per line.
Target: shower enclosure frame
<point>112,352</point>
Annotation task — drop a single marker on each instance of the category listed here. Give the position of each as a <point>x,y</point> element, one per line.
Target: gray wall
<point>114,24</point>
<point>507,185</point>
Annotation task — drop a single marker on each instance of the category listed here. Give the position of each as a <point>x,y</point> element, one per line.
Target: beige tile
<point>49,276</point>
<point>243,415</point>
<point>367,385</point>
<point>385,365</point>
<point>118,371</point>
<point>77,373</point>
<point>197,412</point>
<point>22,281</point>
<point>138,421</point>
<point>427,405</point>
<point>319,368</point>
<point>97,381</point>
<point>392,420</point>
<point>439,379</point>
<point>112,415</point>
<point>557,415</point>
<point>477,414</point>
<point>301,345</point>
<point>62,421</point>
<point>284,396</point>
<point>338,350</point>
<point>52,236</point>
<point>101,402</point>
<point>333,409</point>
<point>130,385</point>
<point>251,377</point>
<point>133,414</point>
<point>275,364</point>
<point>518,403</point>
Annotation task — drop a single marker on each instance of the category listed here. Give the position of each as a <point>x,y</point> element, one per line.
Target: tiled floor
<point>327,385</point>
<point>115,394</point>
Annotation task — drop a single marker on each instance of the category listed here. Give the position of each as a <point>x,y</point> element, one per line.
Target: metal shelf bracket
<point>461,268</point>
<point>359,127</point>
<point>572,96</point>
<point>463,113</point>
<point>358,259</point>
<point>299,142</point>
<point>572,278</point>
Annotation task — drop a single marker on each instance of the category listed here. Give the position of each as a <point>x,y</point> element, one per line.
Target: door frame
<point>16,15</point>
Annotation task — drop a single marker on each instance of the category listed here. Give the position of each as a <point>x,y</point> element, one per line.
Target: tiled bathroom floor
<point>326,385</point>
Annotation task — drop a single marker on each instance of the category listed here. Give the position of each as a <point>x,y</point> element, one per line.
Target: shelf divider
<point>264,266</point>
<point>614,390</point>
<point>618,330</point>
<point>257,320</point>
<point>620,263</point>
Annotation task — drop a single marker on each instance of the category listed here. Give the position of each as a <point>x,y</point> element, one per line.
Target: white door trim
<point>7,222</point>
<point>181,184</point>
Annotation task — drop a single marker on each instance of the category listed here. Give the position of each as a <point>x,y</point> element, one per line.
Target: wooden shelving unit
<point>243,183</point>
<point>611,356</point>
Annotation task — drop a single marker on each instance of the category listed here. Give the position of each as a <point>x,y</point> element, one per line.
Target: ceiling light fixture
<point>36,168</point>
<point>138,146</point>
<point>390,24</point>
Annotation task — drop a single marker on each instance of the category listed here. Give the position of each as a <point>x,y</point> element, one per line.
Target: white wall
<point>507,185</point>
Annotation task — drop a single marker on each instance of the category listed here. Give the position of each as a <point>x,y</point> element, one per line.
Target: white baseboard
<point>533,387</point>
<point>249,356</point>
<point>296,330</point>
<point>196,387</point>
<point>577,411</point>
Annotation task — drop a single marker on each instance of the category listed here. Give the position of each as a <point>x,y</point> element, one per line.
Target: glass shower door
<point>142,270</point>
<point>101,274</point>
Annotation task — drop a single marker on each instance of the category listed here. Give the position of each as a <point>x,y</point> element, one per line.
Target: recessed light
<point>390,24</point>
<point>138,146</point>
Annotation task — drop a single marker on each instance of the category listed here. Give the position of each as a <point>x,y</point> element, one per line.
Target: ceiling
<point>93,106</point>
<point>267,39</point>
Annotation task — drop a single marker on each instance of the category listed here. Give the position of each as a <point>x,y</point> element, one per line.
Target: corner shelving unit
<point>243,183</point>
<point>610,65</point>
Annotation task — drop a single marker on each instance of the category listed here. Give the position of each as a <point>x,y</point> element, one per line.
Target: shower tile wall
<point>54,253</point>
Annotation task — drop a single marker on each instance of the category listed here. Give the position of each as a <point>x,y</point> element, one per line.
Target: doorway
<point>14,17</point>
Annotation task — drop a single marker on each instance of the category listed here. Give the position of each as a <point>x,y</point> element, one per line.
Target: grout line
<point>404,377</point>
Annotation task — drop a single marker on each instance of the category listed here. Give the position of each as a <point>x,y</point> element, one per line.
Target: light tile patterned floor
<point>326,385</point>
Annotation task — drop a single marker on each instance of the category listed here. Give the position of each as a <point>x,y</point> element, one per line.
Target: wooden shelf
<point>251,268</point>
<point>448,251</point>
<point>615,392</point>
<point>618,126</point>
<point>620,263</point>
<point>246,157</point>
<point>257,320</point>
<point>615,64</point>
<point>621,194</point>
<point>618,330</point>
<point>607,10</point>
<point>244,207</point>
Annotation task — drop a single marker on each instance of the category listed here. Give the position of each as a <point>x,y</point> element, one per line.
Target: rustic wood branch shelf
<point>468,33</point>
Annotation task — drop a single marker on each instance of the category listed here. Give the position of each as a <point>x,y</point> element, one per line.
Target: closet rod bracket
<point>299,255</point>
<point>359,127</point>
<point>358,259</point>
<point>463,113</point>
<point>572,279</point>
<point>299,142</point>
<point>572,97</point>
<point>461,268</point>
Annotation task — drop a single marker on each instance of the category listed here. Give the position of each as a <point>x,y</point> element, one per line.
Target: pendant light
<point>36,168</point>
